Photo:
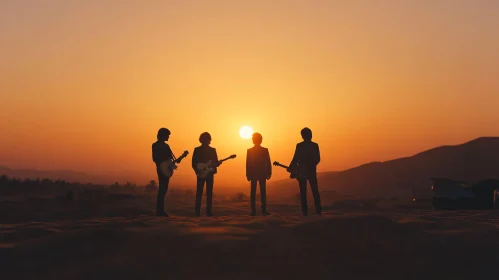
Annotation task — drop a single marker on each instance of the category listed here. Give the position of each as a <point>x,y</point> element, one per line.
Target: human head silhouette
<point>205,138</point>
<point>257,138</point>
<point>163,134</point>
<point>306,134</point>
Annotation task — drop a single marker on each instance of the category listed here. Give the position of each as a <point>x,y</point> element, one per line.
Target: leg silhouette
<point>263,195</point>
<point>209,195</point>
<point>160,201</point>
<point>253,196</point>
<point>315,192</point>
<point>199,195</point>
<point>303,195</point>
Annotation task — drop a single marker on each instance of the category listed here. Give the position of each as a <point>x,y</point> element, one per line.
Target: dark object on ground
<point>457,195</point>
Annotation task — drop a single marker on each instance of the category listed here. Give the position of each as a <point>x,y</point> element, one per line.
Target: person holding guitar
<point>204,154</point>
<point>258,170</point>
<point>306,158</point>
<point>165,163</point>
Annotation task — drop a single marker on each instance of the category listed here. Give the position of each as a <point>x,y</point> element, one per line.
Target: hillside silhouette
<point>411,176</point>
<point>74,176</point>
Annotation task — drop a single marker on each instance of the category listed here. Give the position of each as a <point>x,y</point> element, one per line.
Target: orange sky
<point>85,85</point>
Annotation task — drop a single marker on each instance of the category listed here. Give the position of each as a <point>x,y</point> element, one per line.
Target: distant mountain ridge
<point>472,161</point>
<point>72,176</point>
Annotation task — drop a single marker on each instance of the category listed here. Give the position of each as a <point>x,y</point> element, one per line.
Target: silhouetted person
<point>161,152</point>
<point>203,154</point>
<point>307,155</point>
<point>258,170</point>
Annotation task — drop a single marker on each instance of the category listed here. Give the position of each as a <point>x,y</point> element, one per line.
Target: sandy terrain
<point>343,243</point>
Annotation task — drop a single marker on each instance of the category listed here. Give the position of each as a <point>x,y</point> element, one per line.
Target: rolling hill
<point>73,176</point>
<point>471,161</point>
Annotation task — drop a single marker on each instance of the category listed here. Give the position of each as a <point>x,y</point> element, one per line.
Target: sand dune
<point>340,244</point>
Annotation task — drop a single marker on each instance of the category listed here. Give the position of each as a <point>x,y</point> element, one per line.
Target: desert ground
<point>57,239</point>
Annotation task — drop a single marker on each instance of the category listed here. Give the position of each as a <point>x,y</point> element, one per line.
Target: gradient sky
<point>85,85</point>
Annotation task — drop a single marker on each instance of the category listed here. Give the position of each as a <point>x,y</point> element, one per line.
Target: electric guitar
<point>295,171</point>
<point>204,169</point>
<point>167,167</point>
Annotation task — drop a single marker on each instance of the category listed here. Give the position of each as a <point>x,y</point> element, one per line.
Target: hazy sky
<point>85,85</point>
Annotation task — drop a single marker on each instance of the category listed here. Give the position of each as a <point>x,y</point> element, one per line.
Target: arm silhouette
<point>269,164</point>
<point>318,155</point>
<point>248,167</point>
<point>194,160</point>
<point>154,154</point>
<point>295,157</point>
<point>215,156</point>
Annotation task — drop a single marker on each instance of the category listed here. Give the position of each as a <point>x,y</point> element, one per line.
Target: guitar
<point>204,169</point>
<point>295,173</point>
<point>167,167</point>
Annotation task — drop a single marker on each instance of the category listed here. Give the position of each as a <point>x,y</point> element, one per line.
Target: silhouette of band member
<point>161,152</point>
<point>258,170</point>
<point>203,154</point>
<point>307,156</point>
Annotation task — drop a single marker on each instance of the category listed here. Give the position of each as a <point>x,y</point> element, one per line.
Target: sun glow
<point>245,132</point>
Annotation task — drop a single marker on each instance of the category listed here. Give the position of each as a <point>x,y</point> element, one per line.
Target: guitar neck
<point>282,165</point>
<point>220,161</point>
<point>180,158</point>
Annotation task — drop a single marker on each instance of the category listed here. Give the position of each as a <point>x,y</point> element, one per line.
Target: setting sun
<point>245,132</point>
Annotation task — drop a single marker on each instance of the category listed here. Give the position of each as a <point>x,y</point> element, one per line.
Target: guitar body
<point>296,172</point>
<point>204,169</point>
<point>167,167</point>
